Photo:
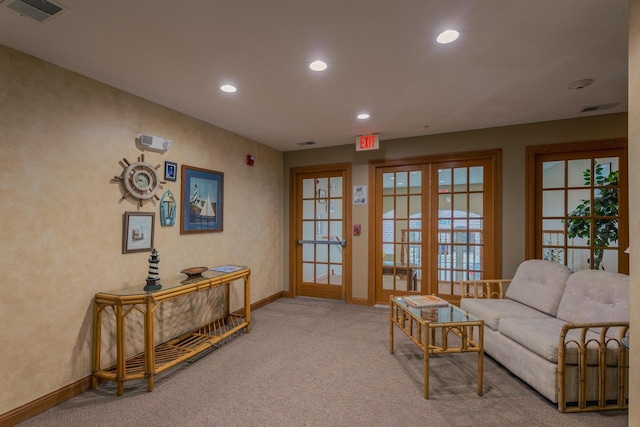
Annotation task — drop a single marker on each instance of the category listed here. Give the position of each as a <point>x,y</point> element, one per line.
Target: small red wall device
<point>250,160</point>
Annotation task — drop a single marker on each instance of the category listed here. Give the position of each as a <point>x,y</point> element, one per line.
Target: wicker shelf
<point>158,358</point>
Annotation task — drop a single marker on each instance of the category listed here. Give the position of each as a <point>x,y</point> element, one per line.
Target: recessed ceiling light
<point>363,116</point>
<point>228,88</point>
<point>318,65</point>
<point>447,36</point>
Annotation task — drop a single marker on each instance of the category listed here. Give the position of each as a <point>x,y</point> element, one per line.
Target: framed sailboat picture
<point>202,192</point>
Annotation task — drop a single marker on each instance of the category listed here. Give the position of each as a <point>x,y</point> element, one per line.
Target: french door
<point>400,212</point>
<point>321,264</point>
<point>464,233</point>
<point>436,224</point>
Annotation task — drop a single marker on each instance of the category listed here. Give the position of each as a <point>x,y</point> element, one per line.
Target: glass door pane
<point>460,229</point>
<point>401,231</point>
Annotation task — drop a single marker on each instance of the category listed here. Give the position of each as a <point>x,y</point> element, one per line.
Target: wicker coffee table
<point>460,332</point>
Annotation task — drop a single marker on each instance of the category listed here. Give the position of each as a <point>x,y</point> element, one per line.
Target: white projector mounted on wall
<point>154,143</point>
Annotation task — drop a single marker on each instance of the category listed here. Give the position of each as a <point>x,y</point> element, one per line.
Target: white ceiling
<point>512,64</point>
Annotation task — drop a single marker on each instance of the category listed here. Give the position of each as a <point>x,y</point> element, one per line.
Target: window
<point>578,216</point>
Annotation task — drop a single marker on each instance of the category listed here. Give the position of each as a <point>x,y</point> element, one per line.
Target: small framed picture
<point>137,232</point>
<point>170,171</point>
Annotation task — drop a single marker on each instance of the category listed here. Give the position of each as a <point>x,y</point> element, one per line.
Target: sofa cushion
<point>541,336</point>
<point>539,284</point>
<point>492,310</point>
<point>596,296</point>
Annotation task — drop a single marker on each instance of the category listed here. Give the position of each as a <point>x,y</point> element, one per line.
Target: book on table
<point>227,268</point>
<point>425,301</point>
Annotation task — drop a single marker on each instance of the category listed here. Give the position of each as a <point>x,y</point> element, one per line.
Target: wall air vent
<point>39,10</point>
<point>599,107</point>
<point>306,143</point>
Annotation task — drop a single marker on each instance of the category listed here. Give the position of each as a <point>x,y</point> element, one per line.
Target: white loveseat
<point>560,332</point>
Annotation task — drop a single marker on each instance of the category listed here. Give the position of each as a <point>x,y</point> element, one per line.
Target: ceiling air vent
<point>39,10</point>
<point>306,143</point>
<point>598,107</point>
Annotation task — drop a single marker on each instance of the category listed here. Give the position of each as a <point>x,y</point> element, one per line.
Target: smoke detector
<point>38,10</point>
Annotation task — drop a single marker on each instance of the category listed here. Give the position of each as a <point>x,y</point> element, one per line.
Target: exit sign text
<point>367,142</point>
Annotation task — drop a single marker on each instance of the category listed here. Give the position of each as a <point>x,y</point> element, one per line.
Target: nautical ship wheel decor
<point>140,180</point>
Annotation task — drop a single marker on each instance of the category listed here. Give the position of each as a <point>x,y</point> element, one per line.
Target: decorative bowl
<point>194,271</point>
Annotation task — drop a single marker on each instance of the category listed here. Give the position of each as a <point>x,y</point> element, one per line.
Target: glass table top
<point>446,314</point>
<point>171,282</point>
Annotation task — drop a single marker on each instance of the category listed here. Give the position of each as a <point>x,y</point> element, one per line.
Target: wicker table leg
<point>120,369</point>
<point>391,315</point>
<point>480,355</point>
<point>426,362</point>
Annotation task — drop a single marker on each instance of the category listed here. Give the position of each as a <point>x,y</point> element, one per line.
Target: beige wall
<point>512,140</point>
<point>62,137</point>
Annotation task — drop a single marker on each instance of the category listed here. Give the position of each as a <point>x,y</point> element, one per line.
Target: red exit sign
<point>367,142</point>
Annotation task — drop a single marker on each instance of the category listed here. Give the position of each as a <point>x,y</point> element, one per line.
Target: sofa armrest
<point>485,289</point>
<point>610,335</point>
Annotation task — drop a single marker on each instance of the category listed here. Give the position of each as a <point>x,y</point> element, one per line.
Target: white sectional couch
<point>561,332</point>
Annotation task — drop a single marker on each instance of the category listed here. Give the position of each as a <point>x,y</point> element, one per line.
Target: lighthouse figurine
<point>153,280</point>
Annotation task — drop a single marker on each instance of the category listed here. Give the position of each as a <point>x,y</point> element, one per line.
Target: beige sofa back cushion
<point>539,284</point>
<point>595,296</point>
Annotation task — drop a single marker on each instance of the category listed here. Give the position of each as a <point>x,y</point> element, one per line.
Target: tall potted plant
<point>605,204</point>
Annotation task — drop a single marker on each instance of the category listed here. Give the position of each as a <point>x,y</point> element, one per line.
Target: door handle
<point>342,243</point>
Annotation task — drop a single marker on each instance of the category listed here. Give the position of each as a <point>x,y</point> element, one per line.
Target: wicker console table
<point>157,358</point>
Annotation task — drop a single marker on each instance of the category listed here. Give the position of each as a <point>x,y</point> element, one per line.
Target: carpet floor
<point>314,362</point>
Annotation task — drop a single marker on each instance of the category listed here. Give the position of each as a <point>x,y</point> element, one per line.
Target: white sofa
<point>560,332</point>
